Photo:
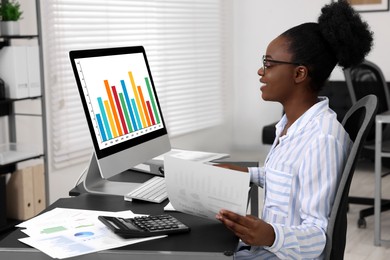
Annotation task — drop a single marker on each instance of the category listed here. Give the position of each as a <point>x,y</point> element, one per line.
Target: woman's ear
<point>301,74</point>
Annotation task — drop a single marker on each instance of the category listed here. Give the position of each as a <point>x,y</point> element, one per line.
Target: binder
<point>26,193</point>
<point>20,193</point>
<point>3,215</point>
<point>39,202</point>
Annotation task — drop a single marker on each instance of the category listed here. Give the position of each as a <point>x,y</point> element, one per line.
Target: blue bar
<point>129,105</point>
<point>99,119</point>
<point>136,113</point>
<point>104,115</point>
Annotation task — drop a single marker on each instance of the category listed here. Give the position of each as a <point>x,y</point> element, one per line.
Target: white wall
<point>254,23</point>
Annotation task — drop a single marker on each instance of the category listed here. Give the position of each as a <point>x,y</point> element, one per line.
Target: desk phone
<point>144,226</point>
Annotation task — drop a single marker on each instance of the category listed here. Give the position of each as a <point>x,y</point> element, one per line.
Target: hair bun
<point>348,36</point>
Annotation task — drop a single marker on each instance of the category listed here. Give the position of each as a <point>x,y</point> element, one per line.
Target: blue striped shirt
<point>299,177</point>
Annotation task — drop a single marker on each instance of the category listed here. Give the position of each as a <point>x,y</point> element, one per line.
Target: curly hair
<point>340,37</point>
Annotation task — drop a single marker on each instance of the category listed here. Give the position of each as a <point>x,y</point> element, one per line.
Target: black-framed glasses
<point>267,63</point>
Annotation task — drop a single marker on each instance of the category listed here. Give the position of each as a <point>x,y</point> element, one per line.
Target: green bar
<point>152,100</point>
<point>125,109</point>
<point>53,230</point>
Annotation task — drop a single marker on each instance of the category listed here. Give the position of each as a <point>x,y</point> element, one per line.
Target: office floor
<point>360,242</point>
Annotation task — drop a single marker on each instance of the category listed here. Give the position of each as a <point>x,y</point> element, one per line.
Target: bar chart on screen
<point>122,103</point>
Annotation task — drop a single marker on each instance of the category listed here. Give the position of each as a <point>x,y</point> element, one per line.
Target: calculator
<point>146,226</point>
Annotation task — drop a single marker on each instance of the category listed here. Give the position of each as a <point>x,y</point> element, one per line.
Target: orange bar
<point>137,99</point>
<point>144,105</point>
<point>113,108</point>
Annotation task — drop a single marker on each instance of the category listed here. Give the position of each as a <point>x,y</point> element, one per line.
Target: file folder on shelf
<point>26,193</point>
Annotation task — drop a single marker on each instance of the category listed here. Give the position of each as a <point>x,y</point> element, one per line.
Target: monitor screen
<point>121,106</point>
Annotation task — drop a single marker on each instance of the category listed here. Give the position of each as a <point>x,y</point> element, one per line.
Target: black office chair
<point>363,79</point>
<point>357,122</point>
<point>339,101</point>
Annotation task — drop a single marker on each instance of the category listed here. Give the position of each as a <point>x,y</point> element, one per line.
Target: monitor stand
<point>95,183</point>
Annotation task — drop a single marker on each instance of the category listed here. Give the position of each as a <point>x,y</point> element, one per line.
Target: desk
<point>206,240</point>
<point>380,119</point>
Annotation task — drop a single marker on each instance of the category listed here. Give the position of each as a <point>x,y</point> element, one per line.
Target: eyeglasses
<point>267,63</point>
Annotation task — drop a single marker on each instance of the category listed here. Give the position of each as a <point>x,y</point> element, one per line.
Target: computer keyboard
<point>152,190</point>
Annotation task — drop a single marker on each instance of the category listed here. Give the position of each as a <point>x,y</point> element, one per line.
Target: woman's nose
<point>260,72</point>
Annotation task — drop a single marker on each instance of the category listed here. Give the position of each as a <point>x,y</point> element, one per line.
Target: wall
<point>256,23</point>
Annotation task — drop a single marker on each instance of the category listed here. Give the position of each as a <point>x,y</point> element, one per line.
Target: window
<point>185,42</point>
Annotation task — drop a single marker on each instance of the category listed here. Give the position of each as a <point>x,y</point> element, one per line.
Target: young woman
<point>303,167</point>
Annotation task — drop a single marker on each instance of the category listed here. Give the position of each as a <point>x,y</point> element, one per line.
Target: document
<point>202,189</point>
<point>62,233</point>
<point>154,166</point>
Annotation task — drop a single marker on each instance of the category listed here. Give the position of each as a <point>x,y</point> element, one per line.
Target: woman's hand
<point>250,229</point>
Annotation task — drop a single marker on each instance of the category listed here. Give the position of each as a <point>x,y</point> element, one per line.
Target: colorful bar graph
<point>121,114</point>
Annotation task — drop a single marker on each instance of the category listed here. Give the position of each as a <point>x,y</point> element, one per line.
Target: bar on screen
<point>110,119</point>
<point>151,96</point>
<point>150,112</point>
<point>137,99</point>
<point>130,109</point>
<point>113,108</point>
<point>101,128</point>
<point>141,95</point>
<point>119,109</point>
<point>104,116</point>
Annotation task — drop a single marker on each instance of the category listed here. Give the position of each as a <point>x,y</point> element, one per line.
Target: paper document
<point>197,156</point>
<point>62,233</point>
<point>202,190</point>
<point>155,165</point>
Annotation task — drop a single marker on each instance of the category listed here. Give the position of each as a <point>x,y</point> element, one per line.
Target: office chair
<point>339,102</point>
<point>357,122</point>
<point>363,79</point>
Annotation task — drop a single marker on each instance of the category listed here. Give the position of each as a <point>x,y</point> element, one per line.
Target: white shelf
<point>13,152</point>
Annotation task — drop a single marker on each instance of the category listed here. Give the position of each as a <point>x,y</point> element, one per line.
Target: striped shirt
<point>299,178</point>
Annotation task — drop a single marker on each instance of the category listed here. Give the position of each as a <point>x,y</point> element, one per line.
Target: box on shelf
<point>14,152</point>
<point>26,193</point>
<point>19,68</point>
<point>3,215</point>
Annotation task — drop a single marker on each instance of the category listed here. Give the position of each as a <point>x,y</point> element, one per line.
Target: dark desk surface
<point>207,239</point>
<point>205,235</point>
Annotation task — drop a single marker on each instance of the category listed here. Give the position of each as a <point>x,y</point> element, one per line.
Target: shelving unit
<point>12,153</point>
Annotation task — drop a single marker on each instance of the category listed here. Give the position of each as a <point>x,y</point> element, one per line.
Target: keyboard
<point>152,190</point>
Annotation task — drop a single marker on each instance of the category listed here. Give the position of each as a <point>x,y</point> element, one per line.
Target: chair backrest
<point>357,123</point>
<point>364,79</point>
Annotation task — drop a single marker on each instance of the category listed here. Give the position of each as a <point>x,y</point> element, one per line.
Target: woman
<point>304,165</point>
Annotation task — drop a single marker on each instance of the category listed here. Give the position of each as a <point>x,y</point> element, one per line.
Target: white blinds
<point>184,41</point>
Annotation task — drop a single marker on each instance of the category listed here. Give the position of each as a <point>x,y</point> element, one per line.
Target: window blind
<point>184,42</point>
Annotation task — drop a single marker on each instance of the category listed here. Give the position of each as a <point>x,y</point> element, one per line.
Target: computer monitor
<point>123,113</point>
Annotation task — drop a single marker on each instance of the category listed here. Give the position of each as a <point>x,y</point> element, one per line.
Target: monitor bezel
<point>89,53</point>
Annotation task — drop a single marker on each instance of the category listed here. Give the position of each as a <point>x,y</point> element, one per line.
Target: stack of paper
<point>62,233</point>
<point>203,190</point>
